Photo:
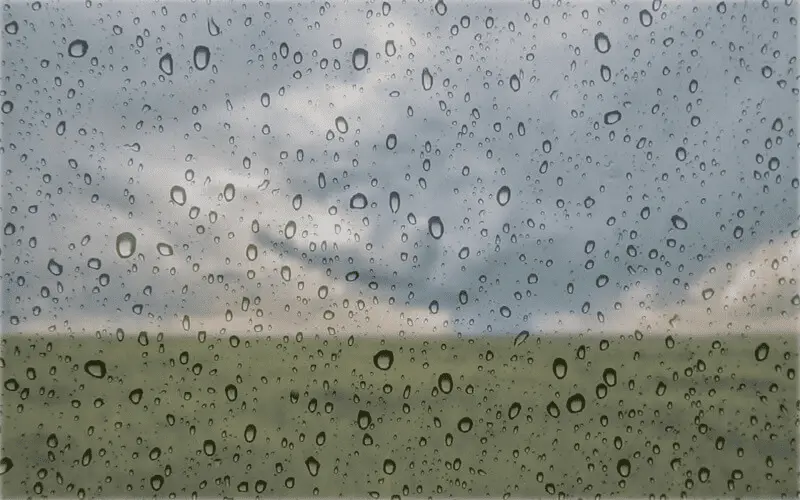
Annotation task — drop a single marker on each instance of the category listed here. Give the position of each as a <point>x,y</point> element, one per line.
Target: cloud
<point>589,200</point>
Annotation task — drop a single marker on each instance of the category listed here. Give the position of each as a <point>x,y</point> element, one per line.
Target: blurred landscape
<point>212,416</point>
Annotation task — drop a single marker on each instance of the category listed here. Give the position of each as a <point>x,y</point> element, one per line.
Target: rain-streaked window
<point>399,249</point>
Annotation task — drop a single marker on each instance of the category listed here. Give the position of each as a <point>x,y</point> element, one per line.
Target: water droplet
<point>612,117</point>
<point>679,222</point>
<point>250,433</point>
<point>440,7</point>
<point>427,79</point>
<point>360,59</point>
<point>229,192</point>
<point>513,410</point>
<point>213,28</point>
<point>661,388</point>
<point>576,403</point>
<point>265,99</point>
<point>290,230</point>
<point>364,419</point>
<point>351,276</point>
<point>209,447</point>
<point>601,281</point>
<point>95,367</point>
<point>503,195</point>
<point>358,201</point>
<point>722,8</point>
<point>708,293</point>
<point>77,48</point>
<point>135,396</point>
<point>54,267</point>
<point>610,377</point>
<point>341,125</point>
<point>312,465</point>
<point>394,201</point>
<point>514,83</point>
<point>624,467</point>
<point>231,392</point>
<point>286,273</point>
<point>165,64</point>
<point>383,359</point>
<point>560,368</point>
<point>465,424</point>
<point>553,410</point>
<point>390,48</point>
<point>433,307</point>
<point>251,252</point>
<point>202,55</point>
<point>126,245</point>
<point>391,141</point>
<point>164,249</point>
<point>602,43</point>
<point>435,227</point>
<point>645,17</point>
<point>12,28</point>
<point>389,466</point>
<point>762,351</point>
<point>445,383</point>
<point>178,195</point>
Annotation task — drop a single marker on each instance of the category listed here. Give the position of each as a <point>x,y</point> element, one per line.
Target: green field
<point>448,417</point>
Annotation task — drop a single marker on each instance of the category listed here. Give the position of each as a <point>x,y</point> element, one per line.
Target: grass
<point>329,422</point>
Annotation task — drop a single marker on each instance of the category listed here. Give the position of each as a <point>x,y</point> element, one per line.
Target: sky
<point>595,168</point>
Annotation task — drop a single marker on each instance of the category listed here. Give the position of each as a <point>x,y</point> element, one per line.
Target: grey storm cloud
<point>705,131</point>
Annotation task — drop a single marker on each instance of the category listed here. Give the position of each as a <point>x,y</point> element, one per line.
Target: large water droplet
<point>503,195</point>
<point>360,59</point>
<point>95,367</point>
<point>229,192</point>
<point>165,64</point>
<point>445,383</point>
<point>560,368</point>
<point>126,245</point>
<point>679,222</point>
<point>612,117</point>
<point>251,252</point>
<point>394,201</point>
<point>645,17</point>
<point>427,79</point>
<point>341,125</point>
<point>178,195</point>
<point>54,267</point>
<point>77,48</point>
<point>602,43</point>
<point>164,249</point>
<point>576,403</point>
<point>435,227</point>
<point>762,351</point>
<point>383,359</point>
<point>202,55</point>
<point>358,201</point>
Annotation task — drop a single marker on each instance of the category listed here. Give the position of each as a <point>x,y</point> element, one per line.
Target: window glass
<point>399,249</point>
